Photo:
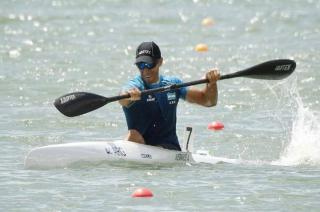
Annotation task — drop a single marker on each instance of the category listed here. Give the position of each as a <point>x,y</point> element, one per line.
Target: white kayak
<point>65,155</point>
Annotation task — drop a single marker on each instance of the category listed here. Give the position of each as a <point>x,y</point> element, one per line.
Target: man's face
<point>151,75</point>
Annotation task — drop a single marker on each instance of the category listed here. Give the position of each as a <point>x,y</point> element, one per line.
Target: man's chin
<point>148,80</point>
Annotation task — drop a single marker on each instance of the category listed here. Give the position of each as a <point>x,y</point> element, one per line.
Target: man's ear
<point>160,61</point>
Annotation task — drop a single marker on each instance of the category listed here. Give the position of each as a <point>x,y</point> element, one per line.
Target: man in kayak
<point>151,118</point>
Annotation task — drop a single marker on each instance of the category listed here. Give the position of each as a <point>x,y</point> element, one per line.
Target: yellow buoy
<point>201,47</point>
<point>207,22</point>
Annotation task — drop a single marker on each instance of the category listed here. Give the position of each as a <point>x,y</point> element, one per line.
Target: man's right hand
<point>135,95</point>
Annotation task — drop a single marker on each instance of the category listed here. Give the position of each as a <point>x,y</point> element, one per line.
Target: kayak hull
<point>64,155</point>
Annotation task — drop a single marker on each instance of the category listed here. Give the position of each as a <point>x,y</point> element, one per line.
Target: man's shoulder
<point>136,79</point>
<point>134,82</point>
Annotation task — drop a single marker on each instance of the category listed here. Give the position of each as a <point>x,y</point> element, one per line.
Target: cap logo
<point>148,52</point>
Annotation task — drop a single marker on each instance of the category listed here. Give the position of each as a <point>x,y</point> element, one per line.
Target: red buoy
<point>142,192</point>
<point>217,125</point>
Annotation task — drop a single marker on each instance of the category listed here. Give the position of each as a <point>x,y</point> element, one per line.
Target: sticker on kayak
<point>147,156</point>
<point>115,150</point>
<point>182,157</point>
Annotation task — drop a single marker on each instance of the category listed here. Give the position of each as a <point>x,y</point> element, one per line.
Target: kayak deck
<point>64,155</point>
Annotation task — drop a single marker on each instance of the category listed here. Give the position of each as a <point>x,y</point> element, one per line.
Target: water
<point>50,48</point>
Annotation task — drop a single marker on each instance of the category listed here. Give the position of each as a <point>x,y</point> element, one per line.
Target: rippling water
<point>50,48</point>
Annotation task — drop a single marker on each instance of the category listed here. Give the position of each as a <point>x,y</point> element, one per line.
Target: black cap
<point>147,52</point>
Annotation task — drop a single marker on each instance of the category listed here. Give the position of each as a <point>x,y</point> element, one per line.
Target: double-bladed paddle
<point>78,103</point>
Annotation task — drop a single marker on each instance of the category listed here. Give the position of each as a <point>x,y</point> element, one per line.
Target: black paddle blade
<point>78,103</point>
<point>270,70</point>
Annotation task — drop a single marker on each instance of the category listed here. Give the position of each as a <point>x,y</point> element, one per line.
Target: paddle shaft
<point>176,86</point>
<point>78,103</point>
<point>168,88</point>
<point>158,90</point>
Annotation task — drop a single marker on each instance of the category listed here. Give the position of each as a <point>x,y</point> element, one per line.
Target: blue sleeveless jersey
<point>154,115</point>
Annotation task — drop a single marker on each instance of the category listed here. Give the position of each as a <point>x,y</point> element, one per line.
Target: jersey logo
<point>151,98</point>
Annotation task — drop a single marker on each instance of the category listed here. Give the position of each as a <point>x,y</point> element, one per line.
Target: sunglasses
<point>141,66</point>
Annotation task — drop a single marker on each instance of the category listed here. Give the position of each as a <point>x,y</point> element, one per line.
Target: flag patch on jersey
<point>171,96</point>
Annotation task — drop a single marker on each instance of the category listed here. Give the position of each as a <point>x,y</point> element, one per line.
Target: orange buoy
<point>207,22</point>
<point>217,125</point>
<point>201,47</point>
<point>142,192</point>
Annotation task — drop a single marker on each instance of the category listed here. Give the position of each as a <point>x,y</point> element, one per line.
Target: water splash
<point>304,146</point>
